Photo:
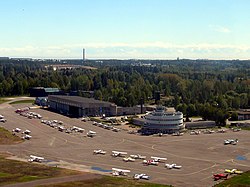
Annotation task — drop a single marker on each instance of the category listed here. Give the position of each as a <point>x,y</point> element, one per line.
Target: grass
<point>2,100</point>
<point>107,181</point>
<point>242,180</point>
<point>13,171</point>
<point>7,138</point>
<point>23,101</point>
<point>245,128</point>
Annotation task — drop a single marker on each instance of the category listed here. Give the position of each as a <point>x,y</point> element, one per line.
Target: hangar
<point>76,106</point>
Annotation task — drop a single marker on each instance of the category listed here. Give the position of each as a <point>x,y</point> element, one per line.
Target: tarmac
<point>201,156</point>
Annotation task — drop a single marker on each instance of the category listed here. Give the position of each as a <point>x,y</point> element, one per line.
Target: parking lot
<point>200,155</point>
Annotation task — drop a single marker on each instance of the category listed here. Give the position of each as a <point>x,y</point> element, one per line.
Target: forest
<point>208,88</point>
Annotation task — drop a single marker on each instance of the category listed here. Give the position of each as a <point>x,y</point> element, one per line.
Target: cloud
<point>146,50</point>
<point>219,28</point>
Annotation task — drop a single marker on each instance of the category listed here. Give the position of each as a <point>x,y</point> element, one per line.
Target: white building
<point>162,121</point>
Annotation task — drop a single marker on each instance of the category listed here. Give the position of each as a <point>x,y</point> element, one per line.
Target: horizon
<point>125,29</point>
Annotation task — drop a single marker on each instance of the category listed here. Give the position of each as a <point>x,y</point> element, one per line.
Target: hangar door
<point>74,111</point>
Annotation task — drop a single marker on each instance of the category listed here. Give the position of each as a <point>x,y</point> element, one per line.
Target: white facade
<point>162,121</point>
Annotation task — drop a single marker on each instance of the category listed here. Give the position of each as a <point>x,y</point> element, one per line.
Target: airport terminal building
<point>80,106</point>
<point>162,121</point>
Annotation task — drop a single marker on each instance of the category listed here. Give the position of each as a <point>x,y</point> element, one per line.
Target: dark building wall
<point>43,92</point>
<point>80,106</point>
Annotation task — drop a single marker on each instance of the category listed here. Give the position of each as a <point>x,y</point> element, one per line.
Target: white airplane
<point>128,159</point>
<point>137,156</point>
<point>195,132</point>
<point>26,137</point>
<point>35,158</point>
<point>236,129</point>
<point>16,130</point>
<point>99,151</point>
<point>172,166</point>
<point>1,116</point>
<point>221,131</point>
<point>178,134</point>
<point>85,119</point>
<point>61,128</point>
<point>208,131</point>
<point>116,129</point>
<point>91,134</point>
<point>26,131</point>
<point>141,176</point>
<point>117,172</point>
<point>3,120</point>
<point>150,162</point>
<point>118,153</point>
<point>77,129</point>
<point>158,159</point>
<point>231,141</point>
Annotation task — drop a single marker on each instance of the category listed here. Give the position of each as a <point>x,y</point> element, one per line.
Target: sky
<point>125,29</point>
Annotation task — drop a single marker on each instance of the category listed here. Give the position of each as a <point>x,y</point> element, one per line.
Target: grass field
<point>107,181</point>
<point>28,101</point>
<point>13,171</point>
<point>237,181</point>
<point>6,137</point>
<point>2,100</point>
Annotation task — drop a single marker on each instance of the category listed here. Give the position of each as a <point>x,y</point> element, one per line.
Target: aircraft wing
<point>121,170</point>
<point>118,152</point>
<point>36,157</point>
<point>158,158</point>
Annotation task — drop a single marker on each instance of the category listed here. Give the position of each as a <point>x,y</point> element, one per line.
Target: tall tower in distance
<point>83,55</point>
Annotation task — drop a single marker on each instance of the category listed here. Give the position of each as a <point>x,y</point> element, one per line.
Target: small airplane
<point>16,130</point>
<point>220,176</point>
<point>77,129</point>
<point>117,172</point>
<point>99,151</point>
<point>233,171</point>
<point>26,131</point>
<point>35,158</point>
<point>118,153</point>
<point>3,120</point>
<point>61,128</point>
<point>137,156</point>
<point>141,176</point>
<point>26,137</point>
<point>173,166</point>
<point>91,134</point>
<point>236,129</point>
<point>150,162</point>
<point>116,129</point>
<point>84,119</point>
<point>195,132</point>
<point>221,131</point>
<point>1,116</point>
<point>128,159</point>
<point>178,134</point>
<point>231,141</point>
<point>208,131</point>
<point>158,159</point>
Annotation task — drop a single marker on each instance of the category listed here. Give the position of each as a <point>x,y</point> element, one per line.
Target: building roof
<point>80,101</point>
<point>51,89</point>
<point>244,112</point>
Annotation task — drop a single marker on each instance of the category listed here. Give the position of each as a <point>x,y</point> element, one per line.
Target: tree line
<point>210,89</point>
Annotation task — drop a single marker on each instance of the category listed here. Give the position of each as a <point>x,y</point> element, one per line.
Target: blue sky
<point>124,29</point>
